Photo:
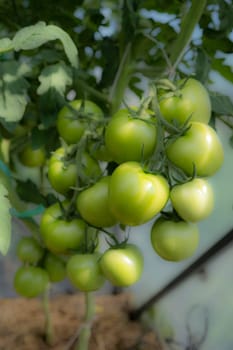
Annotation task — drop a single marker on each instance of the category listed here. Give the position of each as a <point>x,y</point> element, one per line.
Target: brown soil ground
<point>22,324</point>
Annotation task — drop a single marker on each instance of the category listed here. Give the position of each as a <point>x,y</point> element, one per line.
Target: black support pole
<point>204,258</point>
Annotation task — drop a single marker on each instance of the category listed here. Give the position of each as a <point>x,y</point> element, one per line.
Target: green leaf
<point>56,76</point>
<point>221,104</point>
<point>202,66</point>
<point>5,219</point>
<point>13,90</point>
<point>223,69</point>
<point>5,45</point>
<point>29,192</point>
<point>32,37</point>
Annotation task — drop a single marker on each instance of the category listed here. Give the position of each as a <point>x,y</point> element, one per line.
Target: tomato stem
<point>85,331</point>
<point>49,334</point>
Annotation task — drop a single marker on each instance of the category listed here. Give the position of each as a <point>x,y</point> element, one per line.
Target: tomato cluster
<point>150,163</point>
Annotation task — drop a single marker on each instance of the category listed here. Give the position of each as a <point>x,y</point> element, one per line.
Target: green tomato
<point>174,240</point>
<point>122,266</point>
<point>29,250</point>
<point>199,147</point>
<point>61,176</point>
<point>60,235</point>
<point>193,200</point>
<point>31,157</point>
<point>63,173</point>
<point>93,206</point>
<point>84,272</point>
<point>130,139</point>
<point>193,102</point>
<point>70,126</point>
<point>135,197</point>
<point>55,266</point>
<point>30,281</point>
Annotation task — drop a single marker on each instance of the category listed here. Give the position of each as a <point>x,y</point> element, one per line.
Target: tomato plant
<point>130,135</point>
<point>30,281</point>
<point>193,200</point>
<point>190,101</point>
<point>102,165</point>
<point>174,240</point>
<point>135,196</point>
<point>122,266</point>
<point>84,272</point>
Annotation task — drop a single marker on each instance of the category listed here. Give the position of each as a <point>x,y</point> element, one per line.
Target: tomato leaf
<point>32,37</point>
<point>5,45</point>
<point>221,104</point>
<point>5,219</point>
<point>56,76</point>
<point>202,66</point>
<point>13,90</point>
<point>223,69</point>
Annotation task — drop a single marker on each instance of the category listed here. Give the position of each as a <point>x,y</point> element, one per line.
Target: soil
<point>22,324</point>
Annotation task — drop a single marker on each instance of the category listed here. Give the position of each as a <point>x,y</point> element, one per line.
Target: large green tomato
<point>63,173</point>
<point>60,235</point>
<point>122,266</point>
<point>32,157</point>
<point>70,125</point>
<point>84,272</point>
<point>93,205</point>
<point>130,139</point>
<point>200,147</point>
<point>30,281</point>
<point>193,200</point>
<point>135,197</point>
<point>55,266</point>
<point>29,250</point>
<point>193,102</point>
<point>174,240</point>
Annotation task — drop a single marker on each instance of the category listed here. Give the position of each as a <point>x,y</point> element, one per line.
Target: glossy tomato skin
<point>30,281</point>
<point>135,197</point>
<point>193,200</point>
<point>32,157</point>
<point>174,240</point>
<point>60,235</point>
<point>199,146</point>
<point>71,127</point>
<point>29,250</point>
<point>83,270</point>
<point>130,139</point>
<point>93,205</point>
<point>122,266</point>
<point>55,267</point>
<point>193,101</point>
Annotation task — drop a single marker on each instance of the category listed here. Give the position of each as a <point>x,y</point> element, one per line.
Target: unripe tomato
<point>32,157</point>
<point>135,197</point>
<point>193,102</point>
<point>84,272</point>
<point>70,126</point>
<point>200,147</point>
<point>130,139</point>
<point>30,281</point>
<point>60,235</point>
<point>93,205</point>
<point>193,200</point>
<point>174,240</point>
<point>122,266</point>
<point>55,266</point>
<point>29,250</point>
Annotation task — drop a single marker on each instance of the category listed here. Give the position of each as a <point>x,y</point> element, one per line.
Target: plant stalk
<point>85,331</point>
<point>49,334</point>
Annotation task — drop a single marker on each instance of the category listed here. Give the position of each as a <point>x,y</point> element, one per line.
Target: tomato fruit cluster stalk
<point>145,164</point>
